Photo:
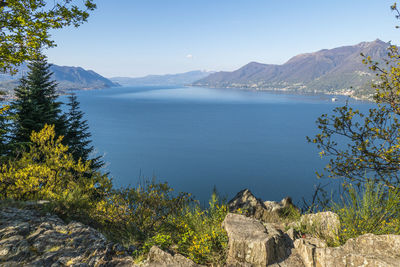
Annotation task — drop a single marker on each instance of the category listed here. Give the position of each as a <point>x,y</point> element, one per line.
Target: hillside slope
<point>168,79</point>
<point>68,78</point>
<point>326,71</point>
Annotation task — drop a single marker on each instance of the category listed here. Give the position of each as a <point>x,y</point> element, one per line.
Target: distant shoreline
<point>289,92</point>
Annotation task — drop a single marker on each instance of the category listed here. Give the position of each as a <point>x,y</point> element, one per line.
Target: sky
<point>134,38</point>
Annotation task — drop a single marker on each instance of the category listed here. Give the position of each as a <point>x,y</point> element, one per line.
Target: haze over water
<point>195,138</point>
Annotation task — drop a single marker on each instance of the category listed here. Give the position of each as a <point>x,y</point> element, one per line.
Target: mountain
<point>326,71</point>
<point>169,79</point>
<point>68,78</point>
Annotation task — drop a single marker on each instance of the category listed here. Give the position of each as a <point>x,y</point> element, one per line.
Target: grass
<point>374,208</point>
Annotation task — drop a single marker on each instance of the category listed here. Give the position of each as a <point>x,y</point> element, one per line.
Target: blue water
<point>197,138</point>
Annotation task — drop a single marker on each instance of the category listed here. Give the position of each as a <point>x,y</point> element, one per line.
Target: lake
<point>198,138</point>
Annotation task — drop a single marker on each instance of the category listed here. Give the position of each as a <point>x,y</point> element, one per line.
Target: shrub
<point>133,215</point>
<point>374,208</point>
<point>200,235</point>
<point>48,172</point>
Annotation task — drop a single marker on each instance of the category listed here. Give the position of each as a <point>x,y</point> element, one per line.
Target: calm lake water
<point>198,138</point>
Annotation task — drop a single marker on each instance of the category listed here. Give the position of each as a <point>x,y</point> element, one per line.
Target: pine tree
<point>36,103</point>
<point>77,136</point>
<point>4,132</point>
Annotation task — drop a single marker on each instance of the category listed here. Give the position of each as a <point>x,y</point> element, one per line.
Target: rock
<point>368,250</point>
<point>253,244</point>
<point>325,225</point>
<point>293,234</point>
<point>294,260</point>
<point>269,211</point>
<point>306,248</point>
<point>158,257</point>
<point>28,237</point>
<point>278,207</point>
<point>249,205</point>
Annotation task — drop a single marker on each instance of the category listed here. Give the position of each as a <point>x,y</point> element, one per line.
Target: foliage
<point>366,145</point>
<point>149,215</point>
<point>200,235</point>
<point>4,131</point>
<point>48,172</point>
<point>136,214</point>
<point>25,26</point>
<point>36,103</point>
<point>375,209</point>
<point>289,213</point>
<point>77,135</point>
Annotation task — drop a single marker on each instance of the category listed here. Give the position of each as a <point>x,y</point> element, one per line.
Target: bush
<point>143,216</point>
<point>48,172</point>
<point>133,215</point>
<point>200,235</point>
<point>150,215</point>
<point>374,208</point>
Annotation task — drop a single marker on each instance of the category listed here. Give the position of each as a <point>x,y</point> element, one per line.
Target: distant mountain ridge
<point>67,78</point>
<point>325,71</point>
<point>168,79</point>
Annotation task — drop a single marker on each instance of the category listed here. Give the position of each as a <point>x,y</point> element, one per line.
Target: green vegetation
<point>4,131</point>
<point>36,104</point>
<point>374,209</point>
<point>25,26</point>
<point>150,215</point>
<point>47,156</point>
<point>48,172</point>
<point>372,141</point>
<point>78,136</point>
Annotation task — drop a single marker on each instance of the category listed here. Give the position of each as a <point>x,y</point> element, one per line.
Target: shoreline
<point>290,92</point>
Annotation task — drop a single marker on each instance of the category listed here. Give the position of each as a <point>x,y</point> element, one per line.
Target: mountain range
<point>163,80</point>
<point>335,71</point>
<point>67,78</point>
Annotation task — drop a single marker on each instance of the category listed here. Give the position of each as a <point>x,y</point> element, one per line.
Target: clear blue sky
<point>135,38</point>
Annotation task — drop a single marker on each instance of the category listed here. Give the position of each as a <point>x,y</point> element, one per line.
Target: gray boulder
<point>253,244</point>
<point>367,250</point>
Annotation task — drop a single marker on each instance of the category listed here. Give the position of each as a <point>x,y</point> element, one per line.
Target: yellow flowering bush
<point>200,235</point>
<point>48,172</point>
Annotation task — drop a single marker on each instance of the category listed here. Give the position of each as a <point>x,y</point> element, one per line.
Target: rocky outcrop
<point>269,211</point>
<point>27,237</point>
<point>158,257</point>
<point>253,244</point>
<point>279,207</point>
<point>246,203</point>
<point>306,247</point>
<point>368,251</point>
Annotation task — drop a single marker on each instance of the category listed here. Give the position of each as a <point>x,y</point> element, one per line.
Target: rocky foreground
<point>256,238</point>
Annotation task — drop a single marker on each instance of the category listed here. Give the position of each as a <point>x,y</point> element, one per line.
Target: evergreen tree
<point>77,136</point>
<point>36,103</point>
<point>4,132</point>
